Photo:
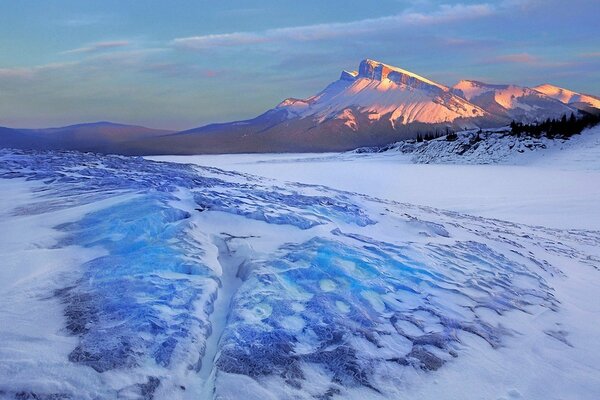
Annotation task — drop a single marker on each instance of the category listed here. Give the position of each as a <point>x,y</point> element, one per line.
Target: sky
<point>180,64</point>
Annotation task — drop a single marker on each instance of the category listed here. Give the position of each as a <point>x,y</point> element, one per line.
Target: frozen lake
<point>543,193</point>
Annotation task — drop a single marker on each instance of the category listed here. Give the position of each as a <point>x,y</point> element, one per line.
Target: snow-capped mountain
<point>384,93</point>
<point>376,105</point>
<point>578,100</point>
<point>514,102</point>
<point>373,106</point>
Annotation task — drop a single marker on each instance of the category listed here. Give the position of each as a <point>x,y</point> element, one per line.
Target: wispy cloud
<point>136,58</point>
<point>128,60</point>
<point>98,47</point>
<point>82,21</point>
<point>526,59</point>
<point>443,14</point>
<point>520,58</point>
<point>593,54</point>
<point>221,40</point>
<point>33,72</point>
<point>16,73</point>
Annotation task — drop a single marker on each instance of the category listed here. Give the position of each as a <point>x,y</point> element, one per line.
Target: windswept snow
<point>194,282</point>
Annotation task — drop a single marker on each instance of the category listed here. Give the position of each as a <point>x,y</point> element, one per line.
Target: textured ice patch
<point>391,309</point>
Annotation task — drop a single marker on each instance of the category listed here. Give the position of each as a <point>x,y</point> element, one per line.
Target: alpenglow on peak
<point>379,71</point>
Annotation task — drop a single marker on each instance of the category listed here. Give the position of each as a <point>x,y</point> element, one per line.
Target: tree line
<point>554,128</point>
<point>563,127</point>
<point>434,135</point>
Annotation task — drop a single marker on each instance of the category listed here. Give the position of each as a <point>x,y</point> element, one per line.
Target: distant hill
<point>96,136</point>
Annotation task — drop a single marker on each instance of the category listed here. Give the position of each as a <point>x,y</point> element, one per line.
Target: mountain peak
<point>379,71</point>
<point>556,91</point>
<point>348,75</point>
<point>568,96</point>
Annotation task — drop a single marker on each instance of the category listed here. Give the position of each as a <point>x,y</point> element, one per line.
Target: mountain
<point>376,105</point>
<point>383,93</point>
<point>97,136</point>
<point>510,101</point>
<point>578,100</point>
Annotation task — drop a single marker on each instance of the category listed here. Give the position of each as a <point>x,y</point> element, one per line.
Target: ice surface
<point>358,305</point>
<point>556,186</point>
<point>322,293</point>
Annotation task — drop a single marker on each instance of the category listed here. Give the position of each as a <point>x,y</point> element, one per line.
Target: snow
<point>384,97</point>
<point>520,103</point>
<point>499,146</point>
<point>348,118</point>
<point>33,344</point>
<point>556,186</point>
<point>155,280</point>
<point>568,96</point>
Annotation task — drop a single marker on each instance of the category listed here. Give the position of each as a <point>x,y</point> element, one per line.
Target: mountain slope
<point>511,101</point>
<point>578,100</point>
<point>373,106</point>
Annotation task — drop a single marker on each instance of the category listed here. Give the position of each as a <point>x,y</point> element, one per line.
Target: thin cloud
<point>83,21</point>
<point>33,72</point>
<point>132,59</point>
<point>98,47</point>
<point>221,40</point>
<point>520,58</point>
<point>306,33</point>
<point>16,73</point>
<point>593,54</point>
<point>527,59</point>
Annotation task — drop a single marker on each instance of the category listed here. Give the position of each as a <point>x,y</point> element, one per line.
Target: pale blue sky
<point>180,64</point>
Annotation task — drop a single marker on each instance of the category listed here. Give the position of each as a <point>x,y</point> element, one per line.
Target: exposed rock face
<point>378,71</point>
<point>348,76</point>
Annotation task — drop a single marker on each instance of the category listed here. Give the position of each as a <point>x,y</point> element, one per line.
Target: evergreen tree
<point>551,128</point>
